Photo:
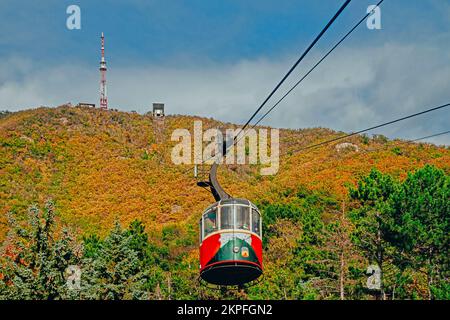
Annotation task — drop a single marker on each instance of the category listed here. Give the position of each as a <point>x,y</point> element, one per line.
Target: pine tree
<point>422,213</point>
<point>36,258</point>
<point>318,277</point>
<point>114,271</point>
<point>373,220</point>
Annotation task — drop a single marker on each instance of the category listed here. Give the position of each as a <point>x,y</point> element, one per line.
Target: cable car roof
<point>231,201</point>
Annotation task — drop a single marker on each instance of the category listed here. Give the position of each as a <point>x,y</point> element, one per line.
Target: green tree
<point>422,213</point>
<point>36,258</point>
<point>373,220</point>
<point>112,271</point>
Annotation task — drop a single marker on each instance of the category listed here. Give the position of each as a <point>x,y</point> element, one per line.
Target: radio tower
<point>103,96</point>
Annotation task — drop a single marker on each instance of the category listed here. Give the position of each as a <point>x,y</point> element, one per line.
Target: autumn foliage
<point>107,167</point>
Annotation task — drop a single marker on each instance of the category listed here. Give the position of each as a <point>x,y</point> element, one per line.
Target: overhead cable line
<point>375,127</point>
<point>399,142</point>
<point>337,14</point>
<point>371,128</point>
<point>312,69</point>
<point>316,65</point>
<point>431,136</point>
<point>322,32</point>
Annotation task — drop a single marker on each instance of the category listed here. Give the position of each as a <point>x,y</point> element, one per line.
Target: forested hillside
<point>97,189</point>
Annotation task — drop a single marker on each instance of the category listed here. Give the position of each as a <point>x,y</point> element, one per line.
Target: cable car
<point>230,242</point>
<point>230,238</point>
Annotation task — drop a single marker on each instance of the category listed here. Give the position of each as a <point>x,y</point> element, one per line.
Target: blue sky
<point>221,58</point>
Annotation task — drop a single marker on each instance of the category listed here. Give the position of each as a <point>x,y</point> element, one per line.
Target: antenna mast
<point>103,96</point>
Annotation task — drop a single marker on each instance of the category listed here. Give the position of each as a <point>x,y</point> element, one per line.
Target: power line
<point>337,14</point>
<point>328,25</point>
<point>431,136</point>
<point>375,127</point>
<point>313,68</point>
<point>307,74</point>
<point>398,143</point>
<point>371,128</point>
<point>316,65</point>
<point>407,141</point>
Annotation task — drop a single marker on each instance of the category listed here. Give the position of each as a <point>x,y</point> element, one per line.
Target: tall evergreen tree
<point>36,258</point>
<point>373,220</point>
<point>422,213</point>
<point>113,271</point>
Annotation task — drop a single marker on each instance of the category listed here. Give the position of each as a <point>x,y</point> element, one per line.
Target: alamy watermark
<point>374,279</point>
<point>73,277</point>
<point>73,21</point>
<point>234,141</point>
<point>374,19</point>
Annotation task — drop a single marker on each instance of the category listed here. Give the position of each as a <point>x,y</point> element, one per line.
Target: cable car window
<point>226,217</point>
<point>242,218</point>
<point>255,222</point>
<point>210,222</point>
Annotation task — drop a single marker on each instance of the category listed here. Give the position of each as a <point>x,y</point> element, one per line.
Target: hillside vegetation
<point>117,195</point>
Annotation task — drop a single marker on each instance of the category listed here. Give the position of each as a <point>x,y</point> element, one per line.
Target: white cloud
<point>353,89</point>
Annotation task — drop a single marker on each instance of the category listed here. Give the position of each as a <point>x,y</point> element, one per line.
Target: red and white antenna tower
<point>103,96</point>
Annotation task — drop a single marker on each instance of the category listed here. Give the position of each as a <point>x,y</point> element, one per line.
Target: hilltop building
<point>158,110</point>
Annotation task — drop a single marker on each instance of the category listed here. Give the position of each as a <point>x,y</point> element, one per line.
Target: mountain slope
<point>101,166</point>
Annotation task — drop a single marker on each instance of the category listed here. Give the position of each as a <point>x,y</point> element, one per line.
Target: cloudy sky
<point>221,58</point>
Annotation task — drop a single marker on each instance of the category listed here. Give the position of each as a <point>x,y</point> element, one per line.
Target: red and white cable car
<point>230,242</point>
<point>230,238</point>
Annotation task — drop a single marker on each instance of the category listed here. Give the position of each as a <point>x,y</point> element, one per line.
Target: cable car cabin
<point>230,243</point>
